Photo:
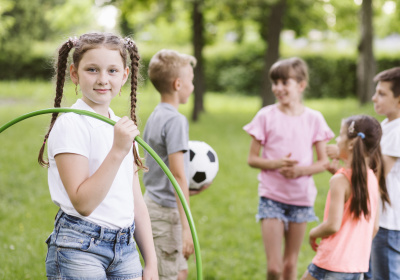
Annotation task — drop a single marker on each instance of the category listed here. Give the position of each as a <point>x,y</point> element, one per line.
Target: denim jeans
<point>385,255</point>
<point>78,249</point>
<point>323,274</point>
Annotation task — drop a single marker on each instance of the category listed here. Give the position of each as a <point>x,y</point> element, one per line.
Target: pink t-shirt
<point>349,249</point>
<point>281,134</point>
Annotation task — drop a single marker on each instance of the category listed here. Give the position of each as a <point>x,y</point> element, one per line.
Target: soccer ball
<point>203,166</point>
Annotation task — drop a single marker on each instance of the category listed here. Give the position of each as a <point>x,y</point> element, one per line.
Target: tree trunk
<point>274,27</point>
<point>198,45</point>
<point>366,66</point>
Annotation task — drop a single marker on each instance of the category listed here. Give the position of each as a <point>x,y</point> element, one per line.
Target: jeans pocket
<point>68,238</point>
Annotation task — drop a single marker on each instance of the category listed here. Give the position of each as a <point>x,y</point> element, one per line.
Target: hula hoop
<point>148,149</point>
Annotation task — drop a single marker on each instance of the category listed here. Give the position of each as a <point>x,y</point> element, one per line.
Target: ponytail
<point>359,184</point>
<point>366,132</point>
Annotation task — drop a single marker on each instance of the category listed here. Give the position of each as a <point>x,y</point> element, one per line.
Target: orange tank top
<point>348,250</point>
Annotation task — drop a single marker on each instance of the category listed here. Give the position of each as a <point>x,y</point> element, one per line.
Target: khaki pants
<point>167,235</point>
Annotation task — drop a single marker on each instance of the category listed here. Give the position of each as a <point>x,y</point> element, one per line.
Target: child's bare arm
<point>339,187</point>
<point>143,233</point>
<point>176,165</point>
<point>256,161</point>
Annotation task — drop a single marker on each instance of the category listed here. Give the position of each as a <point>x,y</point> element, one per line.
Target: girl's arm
<point>376,222</point>
<point>318,166</point>
<point>143,233</point>
<point>339,191</point>
<point>256,161</point>
<point>176,165</point>
<point>86,193</point>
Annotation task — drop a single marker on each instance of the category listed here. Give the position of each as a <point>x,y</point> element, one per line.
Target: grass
<point>224,215</point>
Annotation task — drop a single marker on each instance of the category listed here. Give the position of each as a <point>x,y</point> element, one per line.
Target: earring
<point>120,91</point>
<point>76,89</point>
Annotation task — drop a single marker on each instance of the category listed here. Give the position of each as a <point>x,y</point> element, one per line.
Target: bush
<point>236,69</point>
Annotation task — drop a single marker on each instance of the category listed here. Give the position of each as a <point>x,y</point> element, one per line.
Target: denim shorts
<point>323,274</point>
<point>78,249</point>
<point>385,255</point>
<point>271,209</point>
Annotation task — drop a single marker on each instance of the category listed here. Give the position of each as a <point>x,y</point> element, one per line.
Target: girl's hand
<point>125,132</point>
<point>291,172</point>
<point>313,243</point>
<point>287,161</point>
<point>150,273</point>
<point>332,150</point>
<point>313,240</point>
<point>332,166</point>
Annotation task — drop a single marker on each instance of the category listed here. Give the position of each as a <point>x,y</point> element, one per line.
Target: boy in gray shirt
<point>167,132</point>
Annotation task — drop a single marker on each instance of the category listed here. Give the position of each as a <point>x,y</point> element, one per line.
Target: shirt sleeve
<point>322,130</point>
<point>176,132</point>
<point>257,127</point>
<point>69,135</point>
<point>390,143</point>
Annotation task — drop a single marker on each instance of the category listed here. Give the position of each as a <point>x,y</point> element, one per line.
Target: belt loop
<point>56,221</point>
<point>100,237</point>
<point>131,233</point>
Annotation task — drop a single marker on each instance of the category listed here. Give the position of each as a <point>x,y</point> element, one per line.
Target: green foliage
<point>224,215</point>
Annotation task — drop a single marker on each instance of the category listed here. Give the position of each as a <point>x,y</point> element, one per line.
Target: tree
<point>198,45</point>
<point>366,66</point>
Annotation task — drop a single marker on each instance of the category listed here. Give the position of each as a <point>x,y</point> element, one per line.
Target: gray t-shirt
<point>166,132</point>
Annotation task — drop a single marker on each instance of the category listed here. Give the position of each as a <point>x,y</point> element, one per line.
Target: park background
<point>344,42</point>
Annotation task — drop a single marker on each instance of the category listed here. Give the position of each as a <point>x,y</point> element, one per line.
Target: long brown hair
<point>87,42</point>
<point>367,133</point>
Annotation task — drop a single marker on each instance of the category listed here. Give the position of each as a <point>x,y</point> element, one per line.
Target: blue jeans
<point>78,249</point>
<point>323,274</point>
<point>385,255</point>
<point>287,213</point>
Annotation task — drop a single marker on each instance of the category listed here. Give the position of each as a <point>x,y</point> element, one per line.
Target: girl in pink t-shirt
<point>352,206</point>
<point>285,134</point>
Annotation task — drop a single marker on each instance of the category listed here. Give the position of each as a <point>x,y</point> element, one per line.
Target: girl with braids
<point>92,170</point>
<point>351,215</point>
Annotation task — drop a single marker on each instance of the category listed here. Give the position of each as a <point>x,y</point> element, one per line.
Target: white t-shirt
<point>93,139</point>
<point>390,144</point>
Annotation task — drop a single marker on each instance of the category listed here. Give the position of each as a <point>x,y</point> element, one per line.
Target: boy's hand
<point>203,188</point>
<point>187,247</point>
<point>332,150</point>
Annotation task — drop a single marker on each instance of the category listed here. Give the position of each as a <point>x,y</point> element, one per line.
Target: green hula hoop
<point>148,149</point>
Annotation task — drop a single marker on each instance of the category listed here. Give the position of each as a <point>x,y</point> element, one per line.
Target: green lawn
<point>224,215</point>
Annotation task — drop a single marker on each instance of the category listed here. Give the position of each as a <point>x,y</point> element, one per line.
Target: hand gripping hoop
<point>148,149</point>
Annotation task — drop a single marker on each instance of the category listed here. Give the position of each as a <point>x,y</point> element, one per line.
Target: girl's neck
<point>292,109</point>
<point>100,109</point>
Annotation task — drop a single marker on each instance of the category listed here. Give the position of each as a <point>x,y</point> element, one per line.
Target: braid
<point>134,55</point>
<point>61,70</point>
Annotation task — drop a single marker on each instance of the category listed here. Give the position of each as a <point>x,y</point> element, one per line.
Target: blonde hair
<point>165,67</point>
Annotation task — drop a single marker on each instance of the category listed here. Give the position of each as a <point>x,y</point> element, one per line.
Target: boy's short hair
<point>165,66</point>
<point>295,68</point>
<point>391,75</point>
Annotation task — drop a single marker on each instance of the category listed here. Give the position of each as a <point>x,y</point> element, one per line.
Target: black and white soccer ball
<point>203,164</point>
